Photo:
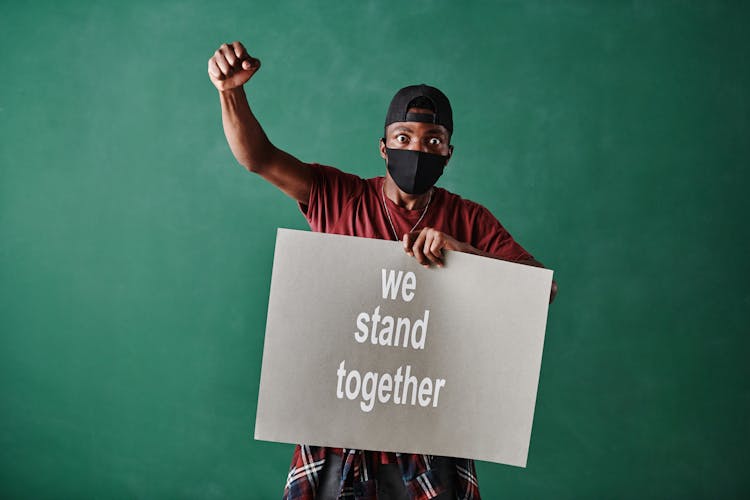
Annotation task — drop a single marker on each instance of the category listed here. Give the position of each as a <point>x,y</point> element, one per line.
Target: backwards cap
<point>398,110</point>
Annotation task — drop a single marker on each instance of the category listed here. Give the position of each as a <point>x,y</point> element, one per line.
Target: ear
<point>450,154</point>
<point>382,149</point>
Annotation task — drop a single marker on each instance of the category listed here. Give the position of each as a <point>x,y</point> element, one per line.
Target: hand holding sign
<point>427,244</point>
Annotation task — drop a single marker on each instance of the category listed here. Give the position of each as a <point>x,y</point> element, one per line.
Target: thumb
<point>250,63</point>
<point>408,241</point>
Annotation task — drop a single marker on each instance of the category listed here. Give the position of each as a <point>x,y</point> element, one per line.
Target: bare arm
<point>229,69</point>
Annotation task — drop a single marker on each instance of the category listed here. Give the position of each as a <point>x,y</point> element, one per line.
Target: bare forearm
<point>245,136</point>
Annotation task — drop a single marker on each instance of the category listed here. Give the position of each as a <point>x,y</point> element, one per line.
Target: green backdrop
<point>611,138</point>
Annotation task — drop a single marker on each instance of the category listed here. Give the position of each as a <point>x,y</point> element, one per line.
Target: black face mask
<point>414,172</point>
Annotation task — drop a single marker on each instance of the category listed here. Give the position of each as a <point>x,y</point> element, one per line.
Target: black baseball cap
<point>398,110</point>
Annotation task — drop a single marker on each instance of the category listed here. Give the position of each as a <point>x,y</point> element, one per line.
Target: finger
<point>213,70</point>
<point>408,241</point>
<point>228,52</point>
<point>436,249</point>
<point>222,63</point>
<point>240,51</point>
<point>417,249</point>
<point>251,63</point>
<point>427,250</point>
<point>245,61</point>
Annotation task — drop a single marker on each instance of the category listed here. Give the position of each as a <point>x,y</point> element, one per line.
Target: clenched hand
<point>231,66</point>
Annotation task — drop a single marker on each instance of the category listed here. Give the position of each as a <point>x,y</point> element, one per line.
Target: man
<point>403,205</point>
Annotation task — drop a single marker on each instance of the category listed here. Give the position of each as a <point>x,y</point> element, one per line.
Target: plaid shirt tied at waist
<point>359,469</point>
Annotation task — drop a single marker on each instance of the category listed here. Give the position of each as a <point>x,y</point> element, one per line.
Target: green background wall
<point>611,138</point>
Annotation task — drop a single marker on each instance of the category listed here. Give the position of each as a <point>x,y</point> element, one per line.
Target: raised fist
<point>231,66</point>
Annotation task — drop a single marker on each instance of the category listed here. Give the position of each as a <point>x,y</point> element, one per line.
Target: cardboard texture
<point>482,337</point>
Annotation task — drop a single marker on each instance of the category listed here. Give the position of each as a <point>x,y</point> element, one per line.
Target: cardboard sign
<point>367,349</point>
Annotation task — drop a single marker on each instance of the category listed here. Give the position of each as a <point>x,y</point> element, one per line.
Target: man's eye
<point>402,138</point>
<point>434,141</point>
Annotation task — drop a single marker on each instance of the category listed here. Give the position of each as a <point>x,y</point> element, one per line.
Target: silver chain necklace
<point>388,213</point>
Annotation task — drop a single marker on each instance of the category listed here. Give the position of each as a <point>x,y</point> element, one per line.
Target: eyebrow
<point>403,127</point>
<point>433,130</point>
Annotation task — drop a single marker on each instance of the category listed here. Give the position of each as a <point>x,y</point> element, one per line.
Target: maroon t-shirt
<point>342,203</point>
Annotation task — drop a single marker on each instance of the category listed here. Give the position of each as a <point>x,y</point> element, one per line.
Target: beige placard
<point>367,349</point>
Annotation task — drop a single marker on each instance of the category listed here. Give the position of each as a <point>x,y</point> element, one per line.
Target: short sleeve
<point>331,192</point>
<point>494,239</point>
